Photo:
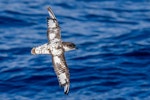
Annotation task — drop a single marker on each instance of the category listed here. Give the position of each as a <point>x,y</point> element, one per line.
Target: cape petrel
<point>56,47</point>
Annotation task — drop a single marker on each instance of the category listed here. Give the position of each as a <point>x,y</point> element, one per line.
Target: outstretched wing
<point>42,49</point>
<point>53,31</point>
<point>62,72</point>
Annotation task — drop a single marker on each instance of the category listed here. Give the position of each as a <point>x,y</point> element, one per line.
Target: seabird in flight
<point>56,47</point>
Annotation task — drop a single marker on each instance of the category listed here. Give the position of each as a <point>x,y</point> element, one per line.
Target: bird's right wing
<point>62,72</point>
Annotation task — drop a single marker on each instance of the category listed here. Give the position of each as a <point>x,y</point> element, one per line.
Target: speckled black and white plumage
<point>56,48</point>
<point>57,51</point>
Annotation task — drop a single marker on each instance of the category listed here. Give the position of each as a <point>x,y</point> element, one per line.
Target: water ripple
<point>112,60</point>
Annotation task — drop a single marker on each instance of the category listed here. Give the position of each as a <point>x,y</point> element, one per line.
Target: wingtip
<point>33,51</point>
<point>51,14</point>
<point>49,9</point>
<point>66,89</point>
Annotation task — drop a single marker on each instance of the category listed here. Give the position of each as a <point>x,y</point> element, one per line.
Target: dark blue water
<point>112,62</point>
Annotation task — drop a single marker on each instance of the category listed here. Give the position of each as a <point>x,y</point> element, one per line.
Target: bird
<point>56,48</point>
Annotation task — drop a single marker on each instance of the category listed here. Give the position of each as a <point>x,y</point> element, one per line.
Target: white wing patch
<point>52,36</point>
<point>57,59</point>
<point>62,78</point>
<point>51,24</point>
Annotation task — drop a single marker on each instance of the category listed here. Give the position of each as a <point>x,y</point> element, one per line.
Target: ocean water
<point>112,61</point>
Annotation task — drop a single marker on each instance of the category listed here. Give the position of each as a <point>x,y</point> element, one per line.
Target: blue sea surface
<point>112,61</point>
